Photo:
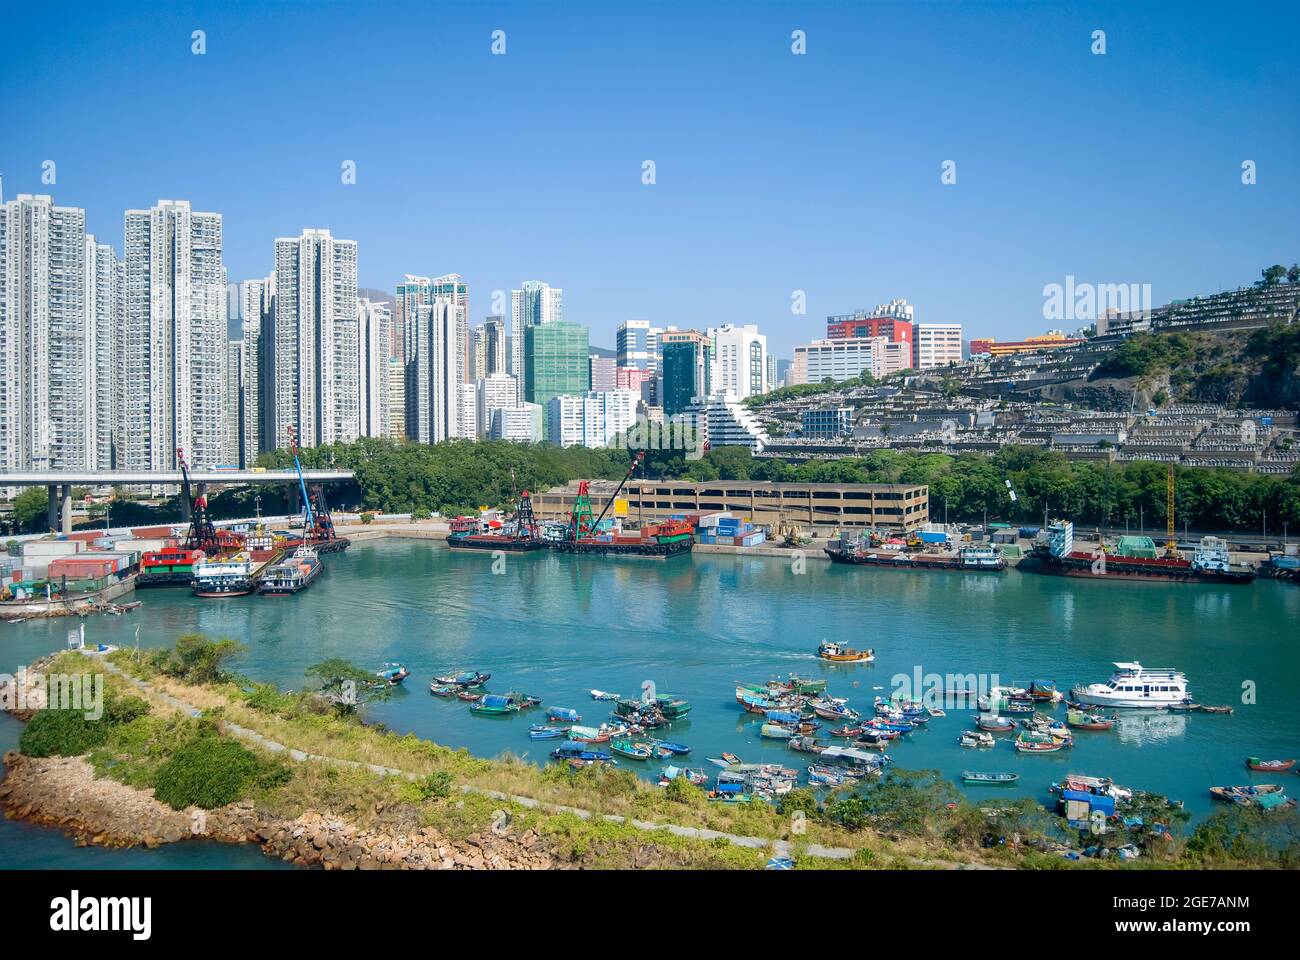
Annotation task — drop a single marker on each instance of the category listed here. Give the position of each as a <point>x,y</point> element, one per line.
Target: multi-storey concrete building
<point>257,368</point>
<point>374,334</point>
<point>175,352</point>
<point>534,304</point>
<point>105,339</point>
<point>838,359</point>
<point>739,361</point>
<point>45,350</point>
<point>433,371</point>
<point>936,345</point>
<point>592,419</point>
<point>315,338</point>
<point>495,391</point>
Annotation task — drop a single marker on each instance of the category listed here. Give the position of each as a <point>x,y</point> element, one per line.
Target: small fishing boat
<point>1038,743</point>
<point>495,705</point>
<point>677,749</point>
<point>604,695</point>
<point>588,734</point>
<point>804,745</point>
<point>695,777</point>
<point>525,700</point>
<point>838,653</point>
<point>1089,721</point>
<point>938,712</point>
<point>1184,706</point>
<point>995,724</point>
<point>730,791</point>
<point>874,739</point>
<point>775,731</point>
<point>392,673</point>
<point>976,738</point>
<point>563,715</point>
<point>726,760</point>
<point>803,685</point>
<point>442,689</point>
<point>540,732</point>
<point>467,679</point>
<point>826,777</point>
<point>1269,766</point>
<point>1266,796</point>
<point>632,749</point>
<point>579,754</point>
<point>970,776</point>
<point>1216,709</point>
<point>848,730</point>
<point>1044,690</point>
<point>468,697</point>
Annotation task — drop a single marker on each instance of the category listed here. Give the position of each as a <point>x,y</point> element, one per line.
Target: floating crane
<point>580,522</point>
<point>203,534</point>
<point>318,524</point>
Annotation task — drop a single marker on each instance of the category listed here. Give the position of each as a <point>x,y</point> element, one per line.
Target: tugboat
<point>291,575</point>
<point>224,578</point>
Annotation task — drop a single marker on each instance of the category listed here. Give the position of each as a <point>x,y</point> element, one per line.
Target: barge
<point>232,577</point>
<point>292,575</point>
<point>585,535</point>
<point>520,535</point>
<point>972,558</point>
<point>1057,557</point>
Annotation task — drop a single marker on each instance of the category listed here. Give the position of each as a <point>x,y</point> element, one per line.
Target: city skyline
<point>818,172</point>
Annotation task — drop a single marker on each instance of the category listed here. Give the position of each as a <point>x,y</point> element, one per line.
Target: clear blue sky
<point>775,172</point>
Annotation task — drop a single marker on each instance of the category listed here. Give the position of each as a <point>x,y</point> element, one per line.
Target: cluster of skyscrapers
<point>116,363</point>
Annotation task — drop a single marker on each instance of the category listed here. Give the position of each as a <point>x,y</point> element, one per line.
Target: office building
<point>936,345</point>
<point>555,361</point>
<point>739,361</point>
<point>687,369</point>
<point>534,304</point>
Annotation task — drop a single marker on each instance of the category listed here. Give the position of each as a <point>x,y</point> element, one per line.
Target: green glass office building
<point>555,362</point>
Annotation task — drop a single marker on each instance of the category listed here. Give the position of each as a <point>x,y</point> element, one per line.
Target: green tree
<point>31,508</point>
<point>346,687</point>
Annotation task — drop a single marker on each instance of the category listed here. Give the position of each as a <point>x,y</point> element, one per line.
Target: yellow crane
<point>1171,541</point>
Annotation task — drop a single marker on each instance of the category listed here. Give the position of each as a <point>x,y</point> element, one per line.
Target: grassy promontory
<point>285,762</point>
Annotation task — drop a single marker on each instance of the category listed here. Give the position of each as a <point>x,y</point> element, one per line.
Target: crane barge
<point>584,535</point>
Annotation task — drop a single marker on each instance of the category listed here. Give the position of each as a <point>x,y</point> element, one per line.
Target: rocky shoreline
<point>63,792</point>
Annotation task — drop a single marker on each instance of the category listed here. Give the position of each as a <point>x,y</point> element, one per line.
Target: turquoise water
<point>557,626</point>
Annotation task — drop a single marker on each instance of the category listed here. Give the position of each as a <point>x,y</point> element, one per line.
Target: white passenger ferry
<point>1133,685</point>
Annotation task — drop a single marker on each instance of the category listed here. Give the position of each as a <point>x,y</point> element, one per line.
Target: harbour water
<point>558,626</point>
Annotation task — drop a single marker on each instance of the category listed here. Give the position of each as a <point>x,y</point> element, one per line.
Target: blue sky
<point>775,172</point>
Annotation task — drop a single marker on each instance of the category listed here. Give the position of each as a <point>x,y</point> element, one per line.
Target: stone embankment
<point>63,792</point>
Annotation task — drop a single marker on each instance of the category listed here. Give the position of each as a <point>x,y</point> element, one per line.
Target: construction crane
<point>1171,541</point>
